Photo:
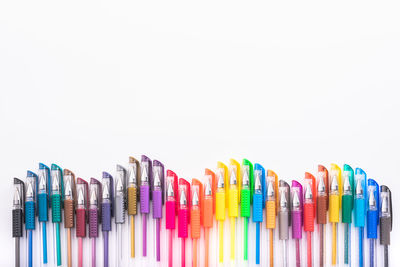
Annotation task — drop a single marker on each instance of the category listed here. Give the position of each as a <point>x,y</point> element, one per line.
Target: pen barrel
<point>30,215</point>
<point>170,215</point>
<point>17,221</point>
<point>233,208</point>
<point>220,206</point>
<point>296,225</point>
<point>245,203</point>
<point>359,212</point>
<point>119,205</point>
<point>195,223</point>
<point>257,208</point>
<point>80,223</point>
<point>334,208</point>
<point>308,217</point>
<point>283,220</point>
<point>68,213</point>
<point>157,204</point>
<point>132,201</point>
<point>322,205</point>
<point>93,223</point>
<point>385,227</point>
<point>56,208</point>
<point>42,208</point>
<point>208,213</point>
<point>144,199</point>
<point>347,208</point>
<point>372,225</point>
<point>271,214</point>
<point>106,216</point>
<point>183,223</point>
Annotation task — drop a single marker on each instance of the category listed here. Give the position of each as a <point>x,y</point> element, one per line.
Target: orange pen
<point>195,215</point>
<point>207,210</point>
<point>271,210</point>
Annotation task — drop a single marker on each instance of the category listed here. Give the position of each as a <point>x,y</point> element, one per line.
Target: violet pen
<point>106,212</point>
<point>94,215</point>
<point>158,200</point>
<point>120,207</point>
<point>145,183</point>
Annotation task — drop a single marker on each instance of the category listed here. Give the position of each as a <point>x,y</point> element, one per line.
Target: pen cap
<point>81,207</point>
<point>196,201</point>
<point>208,205</point>
<point>284,216</point>
<point>133,182</point>
<point>70,198</point>
<point>271,204</point>
<point>94,207</point>
<point>246,192</point>
<point>233,188</point>
<point>296,209</point>
<point>309,200</point>
<point>348,193</point>
<point>107,210</point>
<point>157,189</point>
<point>259,193</point>
<point>146,181</point>
<point>120,194</point>
<point>57,173</point>
<point>30,200</point>
<point>57,192</point>
<point>386,215</point>
<point>18,204</point>
<point>360,197</point>
<point>171,204</point>
<point>322,194</point>
<point>335,193</point>
<point>183,210</point>
<point>220,195</point>
<point>43,192</point>
<point>372,209</point>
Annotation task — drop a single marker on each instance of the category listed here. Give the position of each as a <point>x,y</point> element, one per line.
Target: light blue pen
<point>43,204</point>
<point>30,212</point>
<point>360,202</point>
<point>259,196</point>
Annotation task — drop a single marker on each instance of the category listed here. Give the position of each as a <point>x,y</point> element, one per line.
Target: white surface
<point>286,84</point>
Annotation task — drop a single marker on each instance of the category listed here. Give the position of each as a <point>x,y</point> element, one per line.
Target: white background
<point>286,84</point>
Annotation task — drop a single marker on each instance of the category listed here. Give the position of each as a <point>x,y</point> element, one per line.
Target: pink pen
<point>297,217</point>
<point>171,209</point>
<point>183,215</point>
<point>81,209</point>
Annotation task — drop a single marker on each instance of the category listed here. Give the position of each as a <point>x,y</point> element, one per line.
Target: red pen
<point>183,215</point>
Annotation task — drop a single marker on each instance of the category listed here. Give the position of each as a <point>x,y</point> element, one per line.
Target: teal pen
<point>57,191</point>
<point>360,200</point>
<point>43,205</point>
<point>30,213</point>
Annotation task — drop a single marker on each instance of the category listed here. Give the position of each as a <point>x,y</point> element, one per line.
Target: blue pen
<point>360,200</point>
<point>30,211</point>
<point>372,220</point>
<point>43,204</point>
<point>258,204</point>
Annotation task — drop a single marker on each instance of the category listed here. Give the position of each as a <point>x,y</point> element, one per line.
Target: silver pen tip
<point>321,185</point>
<point>257,181</point>
<point>17,197</point>
<point>359,188</point>
<point>371,199</point>
<point>245,180</point>
<point>68,188</point>
<point>145,175</point>
<point>29,191</point>
<point>81,197</point>
<point>296,200</point>
<point>156,180</point>
<point>233,179</point>
<point>183,200</point>
<point>195,199</point>
<point>170,190</point>
<point>93,197</point>
<point>385,205</point>
<point>283,201</point>
<point>207,191</point>
<point>334,183</point>
<point>220,183</point>
<point>119,186</point>
<point>270,190</point>
<point>346,184</point>
<point>42,181</point>
<point>106,191</point>
<point>308,192</point>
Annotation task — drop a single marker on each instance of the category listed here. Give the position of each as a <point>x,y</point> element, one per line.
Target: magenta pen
<point>297,217</point>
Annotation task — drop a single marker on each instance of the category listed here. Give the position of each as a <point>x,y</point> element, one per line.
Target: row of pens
<point>231,192</point>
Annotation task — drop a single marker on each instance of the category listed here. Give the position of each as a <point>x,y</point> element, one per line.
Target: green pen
<point>57,187</point>
<point>347,208</point>
<point>245,201</point>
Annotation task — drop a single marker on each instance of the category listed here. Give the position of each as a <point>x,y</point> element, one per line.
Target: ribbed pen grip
<point>372,225</point>
<point>183,223</point>
<point>283,218</point>
<point>157,204</point>
<point>384,230</point>
<point>132,201</point>
<point>308,217</point>
<point>321,209</point>
<point>334,208</point>
<point>144,199</point>
<point>93,223</point>
<point>208,213</point>
<point>347,208</point>
<point>296,225</point>
<point>56,208</point>
<point>30,215</point>
<point>42,208</point>
<point>17,221</point>
<point>220,206</point>
<point>68,213</point>
<point>233,208</point>
<point>195,223</point>
<point>119,209</point>
<point>80,223</point>
<point>245,203</point>
<point>170,215</point>
<point>106,216</point>
<point>257,208</point>
<point>271,213</point>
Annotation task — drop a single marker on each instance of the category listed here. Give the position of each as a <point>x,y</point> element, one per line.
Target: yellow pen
<point>335,196</point>
<point>233,202</point>
<point>272,183</point>
<point>220,206</point>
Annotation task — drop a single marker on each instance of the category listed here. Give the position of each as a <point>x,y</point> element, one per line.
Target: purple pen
<point>146,181</point>
<point>297,217</point>
<point>106,211</point>
<point>158,200</point>
<point>94,215</point>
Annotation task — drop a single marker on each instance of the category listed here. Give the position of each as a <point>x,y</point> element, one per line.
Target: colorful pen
<point>360,210</point>
<point>272,189</point>
<point>133,195</point>
<point>57,192</point>
<point>259,197</point>
<point>43,205</point>
<point>246,195</point>
<point>171,209</point>
<point>157,191</point>
<point>30,211</point>
<point>94,215</point>
<point>385,222</point>
<point>309,201</point>
<point>107,212</point>
<point>347,208</point>
<point>69,209</point>
<point>284,219</point>
<point>322,209</point>
<point>208,208</point>
<point>233,203</point>
<point>372,220</point>
<point>195,221</point>
<point>335,197</point>
<point>183,216</point>
<point>81,218</point>
<point>120,207</point>
<point>18,217</point>
<point>297,217</point>
<point>220,202</point>
<point>145,182</point>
